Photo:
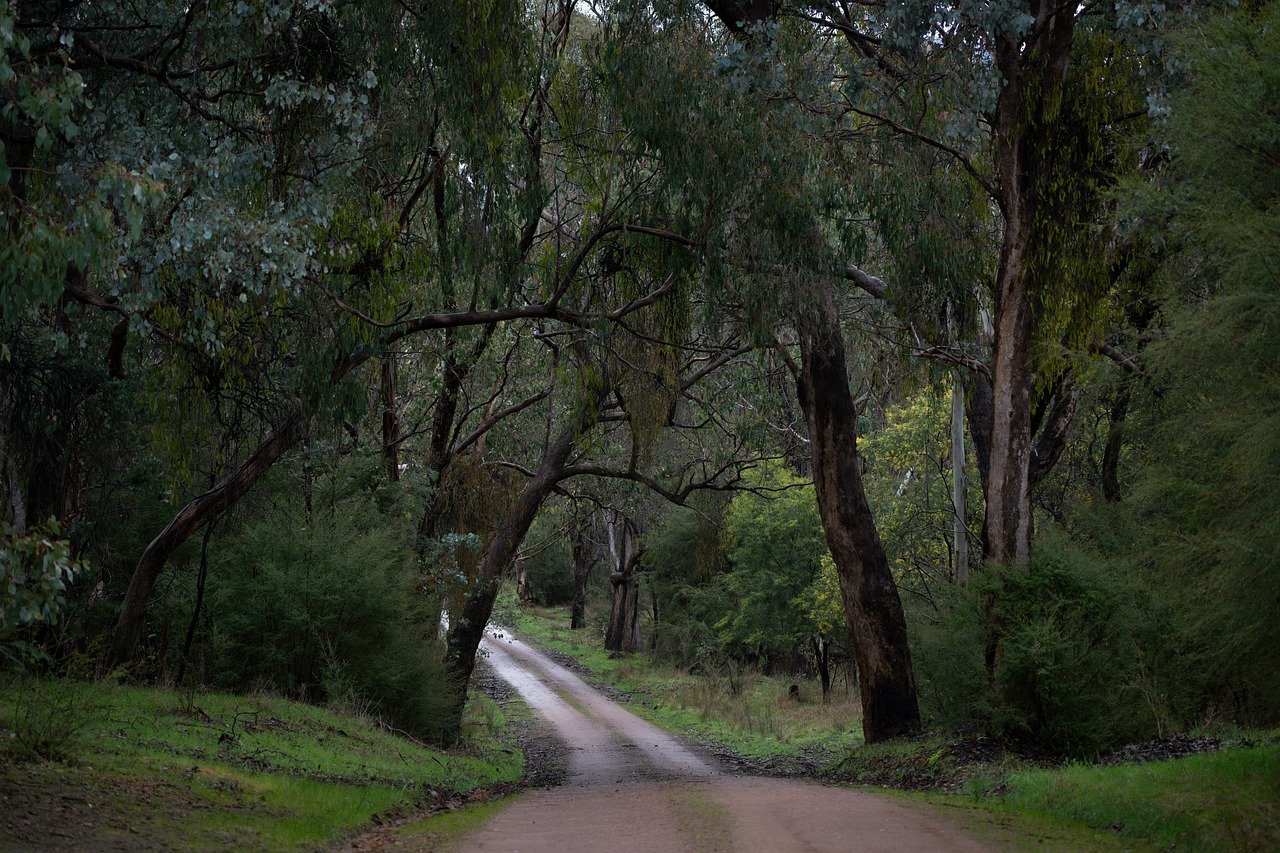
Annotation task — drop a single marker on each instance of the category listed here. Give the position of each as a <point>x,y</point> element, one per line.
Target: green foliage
<point>327,610</point>
<point>44,231</point>
<point>1221,801</point>
<point>550,573</point>
<point>1207,493</point>
<point>1068,264</point>
<point>683,561</point>
<point>35,569</point>
<point>1066,675</point>
<point>821,601</point>
<point>776,545</point>
<point>908,482</point>
<point>1069,674</point>
<point>206,770</point>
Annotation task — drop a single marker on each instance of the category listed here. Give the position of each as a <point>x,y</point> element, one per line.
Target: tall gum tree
<point>873,607</point>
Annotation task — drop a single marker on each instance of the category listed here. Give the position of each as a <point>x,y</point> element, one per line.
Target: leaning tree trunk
<point>873,610</point>
<point>466,628</point>
<point>198,511</point>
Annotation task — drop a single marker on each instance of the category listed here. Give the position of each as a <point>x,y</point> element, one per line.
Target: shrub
<point>328,612</point>
<point>35,569</point>
<point>48,720</point>
<point>550,574</point>
<point>1067,678</point>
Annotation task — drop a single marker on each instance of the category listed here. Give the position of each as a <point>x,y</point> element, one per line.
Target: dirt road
<point>633,787</point>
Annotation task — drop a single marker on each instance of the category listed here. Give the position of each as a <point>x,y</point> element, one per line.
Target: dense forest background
<point>928,346</point>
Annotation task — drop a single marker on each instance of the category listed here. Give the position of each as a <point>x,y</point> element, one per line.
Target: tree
<point>585,557</point>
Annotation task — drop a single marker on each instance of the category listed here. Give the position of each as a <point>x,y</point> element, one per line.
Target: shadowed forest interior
<point>824,376</point>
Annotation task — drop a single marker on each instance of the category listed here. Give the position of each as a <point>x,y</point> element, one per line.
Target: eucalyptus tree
<point>1029,102</point>
<point>752,160</point>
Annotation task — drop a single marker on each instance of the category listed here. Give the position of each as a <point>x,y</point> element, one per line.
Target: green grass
<point>160,767</point>
<point>446,828</point>
<point>1226,800</point>
<point>760,722</point>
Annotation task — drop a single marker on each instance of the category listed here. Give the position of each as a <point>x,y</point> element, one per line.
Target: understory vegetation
<point>749,713</point>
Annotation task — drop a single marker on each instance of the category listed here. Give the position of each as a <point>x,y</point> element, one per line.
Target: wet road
<point>631,786</point>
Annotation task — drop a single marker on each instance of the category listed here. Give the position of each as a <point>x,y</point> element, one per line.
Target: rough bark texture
<point>1007,530</point>
<point>1033,75</point>
<point>873,610</point>
<point>197,512</point>
<point>466,628</point>
<point>584,560</point>
<point>623,633</point>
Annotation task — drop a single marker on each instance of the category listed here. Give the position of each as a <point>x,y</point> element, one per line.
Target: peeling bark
<point>623,634</point>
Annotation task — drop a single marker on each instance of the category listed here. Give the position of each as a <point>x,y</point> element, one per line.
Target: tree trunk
<point>959,487</point>
<point>631,634</point>
<point>201,577</point>
<point>822,657</point>
<point>1111,453</point>
<point>1006,532</point>
<point>873,610</point>
<point>197,512</point>
<point>1026,109</point>
<point>390,418</point>
<point>584,560</point>
<point>15,498</point>
<point>466,629</point>
<point>524,591</point>
<point>622,634</point>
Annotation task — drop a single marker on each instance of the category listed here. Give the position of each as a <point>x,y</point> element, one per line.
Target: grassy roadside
<point>85,764</point>
<point>1224,800</point>
<point>759,723</point>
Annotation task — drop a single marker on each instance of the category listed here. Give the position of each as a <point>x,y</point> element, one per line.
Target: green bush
<point>328,612</point>
<point>1069,665</point>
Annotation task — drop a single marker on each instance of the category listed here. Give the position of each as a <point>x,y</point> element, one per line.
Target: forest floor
<point>1214,790</point>
<point>100,766</point>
